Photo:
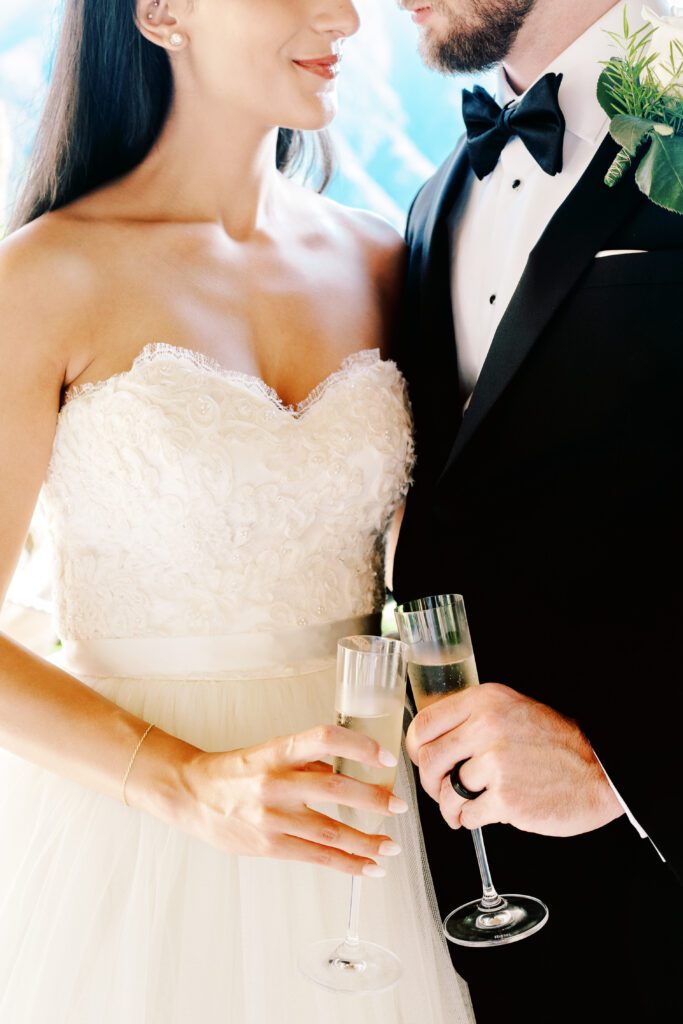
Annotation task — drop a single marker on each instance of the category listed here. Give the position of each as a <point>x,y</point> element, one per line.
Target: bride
<point>195,390</point>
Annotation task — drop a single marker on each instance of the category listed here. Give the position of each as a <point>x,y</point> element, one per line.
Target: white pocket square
<point>617,252</point>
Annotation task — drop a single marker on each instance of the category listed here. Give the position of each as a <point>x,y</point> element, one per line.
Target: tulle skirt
<point>110,916</point>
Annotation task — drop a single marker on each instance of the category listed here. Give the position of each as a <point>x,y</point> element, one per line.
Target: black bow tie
<point>537,120</point>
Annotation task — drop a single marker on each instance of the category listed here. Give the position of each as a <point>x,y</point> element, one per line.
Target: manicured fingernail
<point>387,758</point>
<point>374,871</point>
<point>397,806</point>
<point>389,849</point>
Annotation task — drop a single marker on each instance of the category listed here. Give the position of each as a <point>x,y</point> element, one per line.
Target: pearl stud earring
<point>175,39</point>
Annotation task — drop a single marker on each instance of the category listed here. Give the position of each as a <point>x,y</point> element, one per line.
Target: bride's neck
<point>551,27</point>
<point>213,167</point>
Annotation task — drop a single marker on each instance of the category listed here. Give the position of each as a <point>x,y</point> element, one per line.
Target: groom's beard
<point>479,33</point>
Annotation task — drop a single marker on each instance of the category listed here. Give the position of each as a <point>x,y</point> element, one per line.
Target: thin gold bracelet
<point>130,765</point>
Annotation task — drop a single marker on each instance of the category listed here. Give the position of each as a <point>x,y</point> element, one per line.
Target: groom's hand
<point>537,768</point>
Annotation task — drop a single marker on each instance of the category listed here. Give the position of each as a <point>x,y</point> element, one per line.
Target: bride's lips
<point>324,67</point>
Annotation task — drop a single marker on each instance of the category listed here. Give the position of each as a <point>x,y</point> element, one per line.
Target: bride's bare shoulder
<point>46,276</point>
<point>384,253</point>
<point>369,240</point>
<point>374,233</point>
<point>341,225</point>
<point>368,244</point>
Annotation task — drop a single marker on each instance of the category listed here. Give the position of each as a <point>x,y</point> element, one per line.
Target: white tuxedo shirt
<point>497,221</point>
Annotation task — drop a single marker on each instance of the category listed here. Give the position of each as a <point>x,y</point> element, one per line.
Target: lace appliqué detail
<point>183,498</point>
<point>152,351</point>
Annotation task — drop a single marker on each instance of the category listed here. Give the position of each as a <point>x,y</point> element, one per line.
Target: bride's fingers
<point>318,828</point>
<point>317,766</point>
<point>325,741</point>
<point>290,848</point>
<point>324,788</point>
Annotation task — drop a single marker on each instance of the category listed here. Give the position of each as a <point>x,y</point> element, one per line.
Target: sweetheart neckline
<point>152,350</point>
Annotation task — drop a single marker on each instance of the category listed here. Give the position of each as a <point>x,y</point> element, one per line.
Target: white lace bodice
<point>183,498</point>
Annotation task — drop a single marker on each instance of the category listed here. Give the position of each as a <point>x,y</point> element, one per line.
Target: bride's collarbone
<point>294,330</point>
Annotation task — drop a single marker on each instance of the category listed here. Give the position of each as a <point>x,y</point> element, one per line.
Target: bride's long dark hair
<point>109,96</point>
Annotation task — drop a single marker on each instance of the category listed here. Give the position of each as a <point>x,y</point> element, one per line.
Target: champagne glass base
<point>517,917</point>
<point>362,967</point>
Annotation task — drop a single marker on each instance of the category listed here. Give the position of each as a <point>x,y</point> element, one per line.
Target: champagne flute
<point>370,698</point>
<point>441,661</point>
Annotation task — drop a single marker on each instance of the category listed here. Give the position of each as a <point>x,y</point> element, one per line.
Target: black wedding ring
<point>457,785</point>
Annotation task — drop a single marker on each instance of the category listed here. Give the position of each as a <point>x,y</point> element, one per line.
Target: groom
<point>544,355</point>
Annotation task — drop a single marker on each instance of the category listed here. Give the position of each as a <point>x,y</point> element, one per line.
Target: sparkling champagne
<point>381,718</point>
<point>441,662</point>
<point>440,671</point>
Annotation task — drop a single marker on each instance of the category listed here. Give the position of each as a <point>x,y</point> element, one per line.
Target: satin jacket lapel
<point>431,363</point>
<point>589,215</point>
<point>430,254</point>
<point>451,178</point>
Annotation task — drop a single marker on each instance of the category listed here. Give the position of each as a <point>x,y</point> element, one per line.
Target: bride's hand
<point>255,801</point>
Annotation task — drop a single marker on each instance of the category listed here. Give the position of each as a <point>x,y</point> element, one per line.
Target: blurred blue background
<point>397,120</point>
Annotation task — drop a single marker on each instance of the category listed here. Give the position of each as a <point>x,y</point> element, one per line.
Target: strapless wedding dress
<point>210,545</point>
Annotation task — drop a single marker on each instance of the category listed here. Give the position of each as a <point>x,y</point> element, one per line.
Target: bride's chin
<point>318,116</point>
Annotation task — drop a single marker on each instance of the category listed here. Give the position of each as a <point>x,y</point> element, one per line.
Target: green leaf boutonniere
<point>642,91</point>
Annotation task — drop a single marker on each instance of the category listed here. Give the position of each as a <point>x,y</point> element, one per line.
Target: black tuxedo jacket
<point>553,504</point>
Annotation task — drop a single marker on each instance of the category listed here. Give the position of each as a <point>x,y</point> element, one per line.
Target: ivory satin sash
<point>284,652</point>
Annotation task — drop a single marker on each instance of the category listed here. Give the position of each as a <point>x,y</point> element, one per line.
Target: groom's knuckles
<point>412,745</point>
<point>424,777</point>
<point>430,777</point>
<point>479,812</point>
<point>441,717</point>
<point>489,723</point>
<point>450,803</point>
<point>475,773</point>
<point>423,727</point>
<point>438,758</point>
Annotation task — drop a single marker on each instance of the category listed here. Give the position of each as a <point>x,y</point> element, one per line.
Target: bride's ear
<point>158,24</point>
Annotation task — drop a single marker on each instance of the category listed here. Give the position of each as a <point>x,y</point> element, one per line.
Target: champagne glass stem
<point>369,699</point>
<point>352,938</point>
<point>490,897</point>
<point>346,956</point>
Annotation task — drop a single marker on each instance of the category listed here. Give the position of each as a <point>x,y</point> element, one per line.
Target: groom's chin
<point>450,58</point>
<point>469,38</point>
<point>463,52</point>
